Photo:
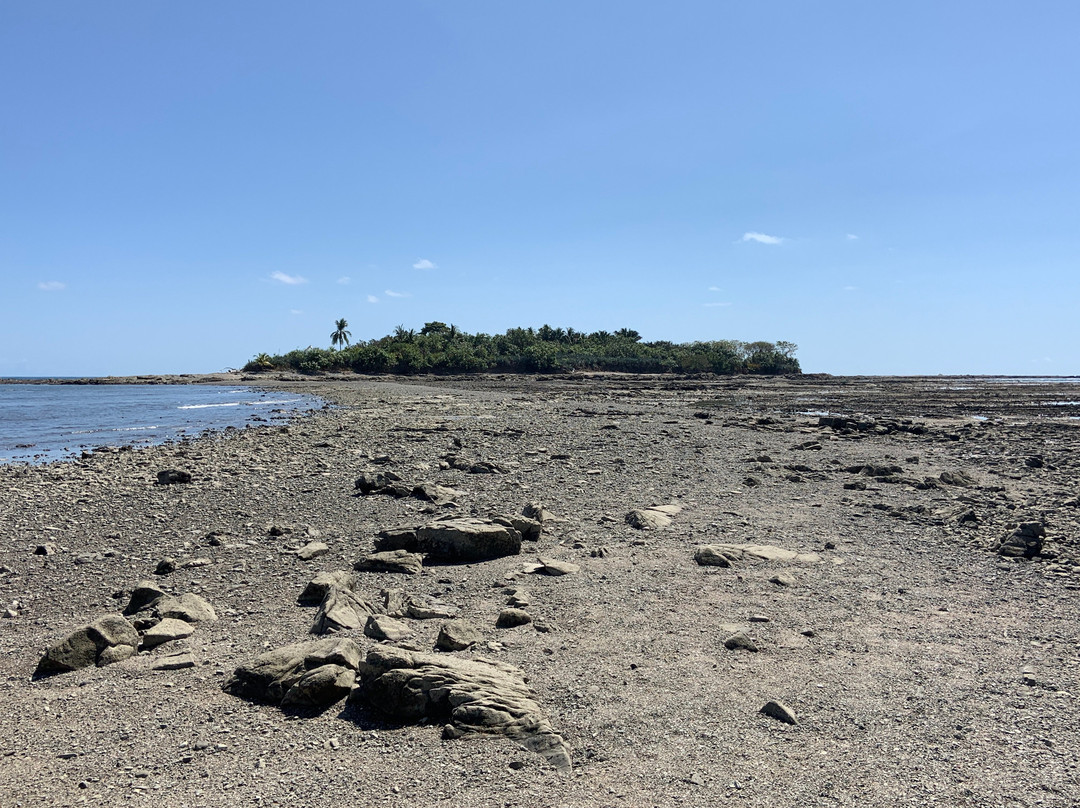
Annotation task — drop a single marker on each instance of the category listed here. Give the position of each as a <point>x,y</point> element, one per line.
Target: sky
<point>894,187</point>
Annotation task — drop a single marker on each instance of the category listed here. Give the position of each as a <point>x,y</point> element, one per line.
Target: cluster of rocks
<point>152,618</point>
<point>862,424</point>
<point>388,483</point>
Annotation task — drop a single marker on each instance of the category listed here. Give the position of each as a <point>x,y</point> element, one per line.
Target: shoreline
<point>907,627</point>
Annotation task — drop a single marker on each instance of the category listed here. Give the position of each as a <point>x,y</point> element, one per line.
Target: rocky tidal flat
<point>579,590</point>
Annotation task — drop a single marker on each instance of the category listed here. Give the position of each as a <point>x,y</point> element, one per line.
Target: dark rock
<point>341,609</point>
<point>739,641</point>
<point>511,618</point>
<point>270,676</point>
<point>173,477</point>
<point>166,566</point>
<point>382,627</point>
<point>959,479</point>
<point>398,539</point>
<point>312,550</point>
<point>468,539</point>
<point>1026,541</point>
<point>320,687</point>
<point>318,586</point>
<point>779,711</point>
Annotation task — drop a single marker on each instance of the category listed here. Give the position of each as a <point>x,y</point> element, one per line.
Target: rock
<point>537,512</point>
<point>382,627</point>
<point>311,550</point>
<point>46,549</point>
<point>318,586</point>
<point>468,539</point>
<point>957,478</point>
<point>657,516</point>
<point>457,635</point>
<point>725,555</point>
<point>196,562</point>
<point>270,676</point>
<point>278,530</point>
<point>420,607</point>
<point>779,711</point>
<point>88,644</point>
<point>173,477</point>
<point>166,566</point>
<point>1025,541</point>
<point>165,631</point>
<point>398,539</point>
<point>344,652</point>
<point>783,579</point>
<point>435,494</point>
<point>391,561</point>
<point>144,594</point>
<point>320,687</point>
<point>519,598</point>
<point>341,609</point>
<point>368,483</point>
<point>739,641</point>
<point>189,607</point>
<point>530,529</point>
<point>469,695</point>
<point>174,662</point>
<point>510,618</point>
<point>556,568</point>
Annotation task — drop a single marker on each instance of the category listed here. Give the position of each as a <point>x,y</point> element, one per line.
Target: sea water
<point>40,423</point>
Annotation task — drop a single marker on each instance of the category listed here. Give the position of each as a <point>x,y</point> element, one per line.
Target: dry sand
<point>923,667</point>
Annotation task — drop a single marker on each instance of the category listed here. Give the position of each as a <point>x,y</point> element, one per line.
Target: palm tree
<point>340,335</point>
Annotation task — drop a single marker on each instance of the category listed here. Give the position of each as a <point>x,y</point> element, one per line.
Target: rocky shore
<point>585,590</point>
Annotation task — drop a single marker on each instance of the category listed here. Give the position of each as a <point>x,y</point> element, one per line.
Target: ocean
<point>40,423</point>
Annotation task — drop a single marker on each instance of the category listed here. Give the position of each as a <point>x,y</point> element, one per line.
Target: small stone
<point>166,566</point>
<point>173,477</point>
<point>510,618</point>
<point>557,568</point>
<point>783,579</point>
<point>175,662</point>
<point>311,550</point>
<point>759,618</point>
<point>739,641</point>
<point>195,563</point>
<point>381,627</point>
<point>167,630</point>
<point>457,635</point>
<point>46,549</point>
<point>779,711</point>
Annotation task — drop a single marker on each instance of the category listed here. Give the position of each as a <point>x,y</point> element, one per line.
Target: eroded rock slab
<point>469,695</point>
<point>727,555</point>
<point>270,677</point>
<point>468,539</point>
<point>107,640</point>
<point>341,610</point>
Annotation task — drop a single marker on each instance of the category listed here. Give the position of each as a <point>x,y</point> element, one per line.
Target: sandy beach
<point>924,642</point>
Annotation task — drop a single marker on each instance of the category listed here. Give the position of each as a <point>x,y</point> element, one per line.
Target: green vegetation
<point>340,335</point>
<point>442,348</point>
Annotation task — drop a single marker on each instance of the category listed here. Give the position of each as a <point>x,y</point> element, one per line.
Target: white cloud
<point>392,293</point>
<point>714,305</point>
<point>344,280</point>
<point>295,311</point>
<point>852,237</point>
<point>423,263</point>
<point>372,299</point>
<point>52,286</point>
<point>715,289</point>
<point>761,238</point>
<point>850,288</point>
<point>288,280</point>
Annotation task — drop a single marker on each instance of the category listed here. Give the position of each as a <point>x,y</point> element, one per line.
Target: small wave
<point>135,428</point>
<point>207,406</point>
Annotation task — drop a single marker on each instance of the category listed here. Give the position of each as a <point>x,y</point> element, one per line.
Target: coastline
<point>916,627</point>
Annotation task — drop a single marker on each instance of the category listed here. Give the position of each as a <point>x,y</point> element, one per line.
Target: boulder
<point>91,644</point>
<point>435,494</point>
<point>467,695</point>
<point>320,687</point>
<point>311,550</point>
<point>511,618</point>
<point>555,568</point>
<point>165,631</point>
<point>652,518</point>
<point>189,607</point>
<point>318,586</point>
<point>391,561</point>
<point>529,529</point>
<point>457,635</point>
<point>779,711</point>
<point>960,479</point>
<point>397,539</point>
<point>341,609</point>
<point>725,555</point>
<point>537,512</point>
<point>468,539</point>
<point>269,677</point>
<point>1024,541</point>
<point>382,627</point>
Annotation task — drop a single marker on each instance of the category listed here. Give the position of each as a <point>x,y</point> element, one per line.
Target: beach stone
<point>511,618</point>
<point>435,494</point>
<point>369,482</point>
<point>537,512</point>
<point>341,610</point>
<point>783,579</point>
<point>472,696</point>
<point>318,586</point>
<point>312,550</point>
<point>420,607</point>
<point>457,635</point>
<point>320,687</point>
<point>739,641</point>
<point>173,477</point>
<point>557,568</point>
<point>167,566</point>
<point>468,539</point>
<point>165,631</point>
<point>391,561</point>
<point>647,519</point>
<point>1025,541</point>
<point>174,662</point>
<point>84,646</point>
<point>270,676</point>
<point>383,627</point>
<point>144,594</point>
<point>960,479</point>
<point>725,555</point>
<point>397,539</point>
<point>46,549</point>
<point>344,652</point>
<point>189,607</point>
<point>779,711</point>
<point>530,529</point>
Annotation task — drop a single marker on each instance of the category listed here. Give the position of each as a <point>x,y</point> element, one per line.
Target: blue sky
<point>895,187</point>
